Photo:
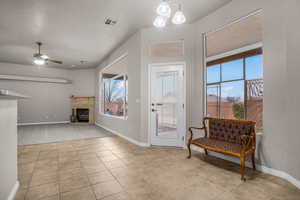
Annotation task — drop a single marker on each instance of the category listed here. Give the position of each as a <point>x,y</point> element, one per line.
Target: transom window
<point>114,89</point>
<point>234,87</point>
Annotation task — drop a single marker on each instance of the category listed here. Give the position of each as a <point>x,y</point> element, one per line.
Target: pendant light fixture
<point>164,12</point>
<point>179,17</point>
<point>160,22</point>
<point>164,9</point>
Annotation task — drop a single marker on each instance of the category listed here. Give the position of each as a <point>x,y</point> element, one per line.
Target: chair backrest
<point>229,130</point>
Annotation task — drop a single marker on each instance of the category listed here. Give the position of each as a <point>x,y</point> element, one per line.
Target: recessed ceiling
<point>74,30</point>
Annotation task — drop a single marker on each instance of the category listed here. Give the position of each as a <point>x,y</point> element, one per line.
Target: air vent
<point>109,21</point>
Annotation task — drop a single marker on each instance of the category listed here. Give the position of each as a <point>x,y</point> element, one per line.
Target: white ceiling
<point>74,30</point>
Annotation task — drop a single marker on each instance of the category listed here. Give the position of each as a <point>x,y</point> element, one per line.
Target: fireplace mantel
<point>83,102</point>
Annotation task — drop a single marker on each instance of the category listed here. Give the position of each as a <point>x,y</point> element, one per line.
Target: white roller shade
<point>238,35</point>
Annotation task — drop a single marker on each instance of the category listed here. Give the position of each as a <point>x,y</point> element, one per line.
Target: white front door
<point>167,123</point>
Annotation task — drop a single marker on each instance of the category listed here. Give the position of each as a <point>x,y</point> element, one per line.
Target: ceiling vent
<point>109,21</point>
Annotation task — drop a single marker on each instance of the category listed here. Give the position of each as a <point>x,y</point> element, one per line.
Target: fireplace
<point>82,110</point>
<point>82,114</point>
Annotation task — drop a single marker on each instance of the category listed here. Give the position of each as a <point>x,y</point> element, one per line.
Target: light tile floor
<point>113,169</point>
<point>40,134</point>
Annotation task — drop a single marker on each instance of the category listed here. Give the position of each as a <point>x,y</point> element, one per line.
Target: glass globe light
<point>160,22</point>
<point>179,17</point>
<point>164,9</point>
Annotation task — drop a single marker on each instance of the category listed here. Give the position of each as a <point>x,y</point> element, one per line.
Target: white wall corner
<point>14,191</point>
<point>141,144</point>
<point>261,168</point>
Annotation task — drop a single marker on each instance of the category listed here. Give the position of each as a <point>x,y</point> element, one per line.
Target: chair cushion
<point>228,131</point>
<point>219,144</point>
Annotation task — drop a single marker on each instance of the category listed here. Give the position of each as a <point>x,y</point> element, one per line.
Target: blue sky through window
<point>233,70</point>
<point>254,67</point>
<point>213,74</point>
<point>233,90</point>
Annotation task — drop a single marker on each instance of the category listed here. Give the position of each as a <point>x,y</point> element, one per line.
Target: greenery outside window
<point>234,87</point>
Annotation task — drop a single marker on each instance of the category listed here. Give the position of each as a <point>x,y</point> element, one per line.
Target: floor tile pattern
<point>40,134</point>
<point>113,169</point>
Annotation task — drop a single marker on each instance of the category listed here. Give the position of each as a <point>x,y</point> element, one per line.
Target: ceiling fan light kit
<point>42,59</point>
<point>39,61</point>
<point>164,13</point>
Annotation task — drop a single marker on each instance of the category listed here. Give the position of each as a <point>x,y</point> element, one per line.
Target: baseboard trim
<point>280,174</point>
<point>142,144</point>
<point>261,168</point>
<point>42,123</point>
<point>14,191</point>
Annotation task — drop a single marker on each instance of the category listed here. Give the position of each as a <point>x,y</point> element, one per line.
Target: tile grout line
<point>27,190</point>
<point>109,170</point>
<point>58,174</point>
<point>87,175</point>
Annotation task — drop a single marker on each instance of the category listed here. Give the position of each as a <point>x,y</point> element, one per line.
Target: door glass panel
<point>166,103</point>
<point>232,70</point>
<point>213,100</point>
<point>232,100</point>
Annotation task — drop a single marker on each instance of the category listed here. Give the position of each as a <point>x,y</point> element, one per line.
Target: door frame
<point>182,135</point>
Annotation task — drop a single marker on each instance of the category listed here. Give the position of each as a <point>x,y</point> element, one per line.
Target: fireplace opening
<point>82,114</point>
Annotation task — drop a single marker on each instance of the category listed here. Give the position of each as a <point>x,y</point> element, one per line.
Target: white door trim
<point>149,97</point>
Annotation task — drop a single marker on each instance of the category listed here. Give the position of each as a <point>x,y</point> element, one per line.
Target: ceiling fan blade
<point>55,61</point>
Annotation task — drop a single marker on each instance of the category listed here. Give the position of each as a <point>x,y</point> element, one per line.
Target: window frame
<point>101,90</point>
<point>239,55</point>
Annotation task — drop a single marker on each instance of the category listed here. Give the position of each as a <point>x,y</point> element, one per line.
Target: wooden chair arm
<point>191,131</point>
<point>248,142</point>
<point>191,128</point>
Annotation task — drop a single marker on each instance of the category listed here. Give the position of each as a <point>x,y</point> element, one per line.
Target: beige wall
<point>152,36</point>
<point>279,144</point>
<point>8,146</point>
<point>131,126</point>
<point>137,47</point>
<point>280,139</point>
<point>49,102</point>
<point>291,135</point>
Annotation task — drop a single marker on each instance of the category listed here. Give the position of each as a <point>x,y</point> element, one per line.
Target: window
<point>114,89</point>
<point>234,87</point>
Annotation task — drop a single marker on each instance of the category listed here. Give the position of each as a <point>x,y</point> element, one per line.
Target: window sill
<point>113,116</point>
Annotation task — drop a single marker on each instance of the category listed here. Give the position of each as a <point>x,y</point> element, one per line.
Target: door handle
<point>159,104</point>
<point>153,110</point>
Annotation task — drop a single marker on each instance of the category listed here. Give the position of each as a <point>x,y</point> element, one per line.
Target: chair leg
<point>253,161</point>
<point>206,153</point>
<point>243,168</point>
<point>190,153</point>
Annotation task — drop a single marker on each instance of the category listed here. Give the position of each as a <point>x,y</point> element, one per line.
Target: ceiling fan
<point>41,59</point>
